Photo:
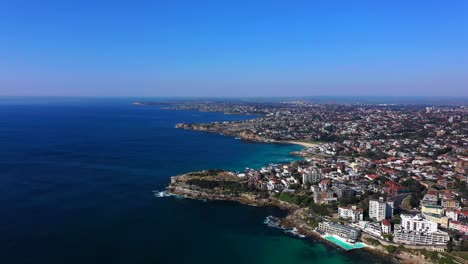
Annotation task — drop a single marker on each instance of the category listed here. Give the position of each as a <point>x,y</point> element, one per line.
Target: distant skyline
<point>233,48</point>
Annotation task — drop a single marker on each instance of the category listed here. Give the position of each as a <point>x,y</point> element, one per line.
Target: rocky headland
<point>221,185</point>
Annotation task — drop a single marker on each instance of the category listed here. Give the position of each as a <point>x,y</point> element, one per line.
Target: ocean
<point>76,182</point>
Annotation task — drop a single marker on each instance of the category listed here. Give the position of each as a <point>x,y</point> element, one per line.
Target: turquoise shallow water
<point>76,181</point>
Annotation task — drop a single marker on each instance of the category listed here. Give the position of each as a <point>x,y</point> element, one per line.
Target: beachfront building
<point>417,223</point>
<point>380,209</point>
<point>353,213</point>
<point>421,238</point>
<point>372,228</point>
<point>420,231</point>
<point>351,234</point>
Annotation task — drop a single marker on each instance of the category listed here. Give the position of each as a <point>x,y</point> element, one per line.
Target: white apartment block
<point>417,230</point>
<point>352,213</point>
<point>420,238</point>
<point>379,209</point>
<point>311,175</point>
<point>417,223</point>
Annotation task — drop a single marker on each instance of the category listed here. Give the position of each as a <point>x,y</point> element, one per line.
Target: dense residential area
<point>389,175</point>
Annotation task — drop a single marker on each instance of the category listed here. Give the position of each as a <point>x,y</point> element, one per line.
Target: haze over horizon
<point>246,48</point>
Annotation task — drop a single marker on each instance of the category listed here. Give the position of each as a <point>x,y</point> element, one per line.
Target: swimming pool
<point>343,244</point>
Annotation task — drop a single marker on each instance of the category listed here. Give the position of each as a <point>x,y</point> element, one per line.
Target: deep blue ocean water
<point>76,181</point>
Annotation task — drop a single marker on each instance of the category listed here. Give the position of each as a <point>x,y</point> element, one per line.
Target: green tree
<point>390,249</point>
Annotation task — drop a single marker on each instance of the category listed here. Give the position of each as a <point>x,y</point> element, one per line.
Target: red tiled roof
<point>386,222</point>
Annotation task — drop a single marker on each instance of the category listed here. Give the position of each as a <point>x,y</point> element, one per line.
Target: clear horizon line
<point>234,97</point>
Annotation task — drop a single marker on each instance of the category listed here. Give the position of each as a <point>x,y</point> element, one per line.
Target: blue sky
<point>233,48</point>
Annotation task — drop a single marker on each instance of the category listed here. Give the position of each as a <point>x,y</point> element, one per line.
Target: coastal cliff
<point>227,130</point>
<point>222,185</point>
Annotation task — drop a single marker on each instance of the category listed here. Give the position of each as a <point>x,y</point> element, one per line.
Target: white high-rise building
<point>311,175</point>
<point>417,223</point>
<point>379,209</point>
<point>416,230</point>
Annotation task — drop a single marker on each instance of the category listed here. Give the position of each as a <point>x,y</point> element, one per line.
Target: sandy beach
<point>304,144</point>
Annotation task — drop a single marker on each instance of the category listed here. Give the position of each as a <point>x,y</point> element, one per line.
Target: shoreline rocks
<point>295,215</point>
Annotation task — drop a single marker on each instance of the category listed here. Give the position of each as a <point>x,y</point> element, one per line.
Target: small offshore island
<point>391,176</point>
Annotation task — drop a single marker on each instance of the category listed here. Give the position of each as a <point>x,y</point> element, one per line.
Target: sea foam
<point>275,222</point>
<point>161,194</point>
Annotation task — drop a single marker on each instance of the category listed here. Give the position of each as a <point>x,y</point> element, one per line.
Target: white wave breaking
<point>161,194</point>
<point>275,222</point>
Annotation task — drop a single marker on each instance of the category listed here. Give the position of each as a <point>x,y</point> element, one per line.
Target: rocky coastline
<point>295,218</point>
<point>226,132</point>
<point>180,188</point>
<point>244,135</point>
